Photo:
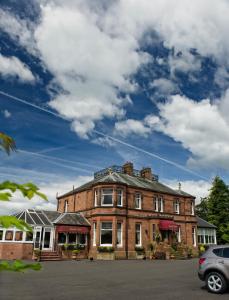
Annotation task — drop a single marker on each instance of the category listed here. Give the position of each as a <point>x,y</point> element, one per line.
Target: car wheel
<point>216,283</point>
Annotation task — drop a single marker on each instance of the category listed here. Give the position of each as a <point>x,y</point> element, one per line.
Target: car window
<point>218,252</point>
<point>226,252</point>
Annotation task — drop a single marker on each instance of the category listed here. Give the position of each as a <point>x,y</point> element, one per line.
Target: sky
<point>89,84</point>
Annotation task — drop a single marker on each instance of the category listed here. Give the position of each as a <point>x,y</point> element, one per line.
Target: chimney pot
<point>146,173</point>
<point>128,168</point>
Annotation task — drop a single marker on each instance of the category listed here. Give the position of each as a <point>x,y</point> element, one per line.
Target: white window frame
<point>194,236</point>
<point>106,245</point>
<point>96,198</point>
<point>119,230</point>
<point>138,199</point>
<point>121,193</point>
<point>14,229</point>
<point>161,202</point>
<point>140,231</point>
<point>179,234</point>
<point>102,197</point>
<point>94,233</point>
<point>192,208</point>
<point>155,204</point>
<point>177,206</point>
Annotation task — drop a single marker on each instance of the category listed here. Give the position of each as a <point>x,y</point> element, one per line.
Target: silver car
<point>214,268</point>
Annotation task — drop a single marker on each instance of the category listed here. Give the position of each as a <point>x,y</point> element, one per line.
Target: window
<point>160,204</point>
<point>119,234</point>
<point>154,232</point>
<point>81,239</point>
<point>179,235</point>
<point>177,207</point>
<point>138,238</point>
<point>226,252</point>
<point>29,236</point>
<point>9,235</point>
<point>194,236</point>
<point>62,238</point>
<point>106,234</point>
<point>155,204</point>
<point>65,206</point>
<point>1,235</point>
<point>192,208</point>
<point>72,238</point>
<point>96,198</point>
<point>138,201</point>
<point>18,236</point>
<point>218,252</point>
<point>120,197</point>
<point>94,234</point>
<point>107,197</point>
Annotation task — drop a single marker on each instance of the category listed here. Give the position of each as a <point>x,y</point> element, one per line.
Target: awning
<point>72,229</point>
<point>168,225</point>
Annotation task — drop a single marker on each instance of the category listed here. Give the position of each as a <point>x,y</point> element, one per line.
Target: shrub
<point>160,255</point>
<point>76,251</point>
<point>104,249</point>
<point>37,252</point>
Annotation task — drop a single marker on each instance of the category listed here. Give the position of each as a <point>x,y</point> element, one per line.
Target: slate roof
<point>133,181</point>
<point>48,218</point>
<point>202,223</point>
<point>72,219</point>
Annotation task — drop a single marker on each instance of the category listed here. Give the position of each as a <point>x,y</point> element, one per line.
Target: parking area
<point>107,280</point>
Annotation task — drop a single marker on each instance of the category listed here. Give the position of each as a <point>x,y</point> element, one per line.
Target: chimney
<point>128,168</point>
<point>146,173</point>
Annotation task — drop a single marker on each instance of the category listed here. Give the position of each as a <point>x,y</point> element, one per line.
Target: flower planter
<point>140,255</point>
<point>105,256</point>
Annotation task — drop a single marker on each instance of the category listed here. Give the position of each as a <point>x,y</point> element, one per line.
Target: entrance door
<point>47,239</point>
<point>37,237</point>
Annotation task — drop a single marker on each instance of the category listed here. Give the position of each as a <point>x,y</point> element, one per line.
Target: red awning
<point>72,229</point>
<point>168,225</point>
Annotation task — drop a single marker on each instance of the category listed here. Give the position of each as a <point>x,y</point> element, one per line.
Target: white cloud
<point>6,113</point>
<point>50,189</point>
<point>200,127</point>
<point>199,188</point>
<point>131,126</point>
<point>12,66</point>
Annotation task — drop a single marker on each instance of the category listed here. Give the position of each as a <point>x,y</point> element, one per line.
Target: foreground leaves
<point>28,190</point>
<point>7,143</point>
<point>18,266</point>
<point>11,221</point>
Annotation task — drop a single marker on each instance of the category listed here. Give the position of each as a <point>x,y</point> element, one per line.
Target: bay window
<point>106,234</point>
<point>120,197</point>
<point>107,197</point>
<point>119,234</point>
<point>138,235</point>
<point>158,203</point>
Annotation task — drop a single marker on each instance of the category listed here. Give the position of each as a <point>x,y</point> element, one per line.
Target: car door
<point>226,260</point>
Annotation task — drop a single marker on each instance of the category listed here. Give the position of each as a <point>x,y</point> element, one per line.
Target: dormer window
<point>138,201</point>
<point>66,206</point>
<point>177,207</point>
<point>192,208</point>
<point>119,197</point>
<point>107,197</point>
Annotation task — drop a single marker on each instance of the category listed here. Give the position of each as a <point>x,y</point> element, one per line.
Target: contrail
<point>110,137</point>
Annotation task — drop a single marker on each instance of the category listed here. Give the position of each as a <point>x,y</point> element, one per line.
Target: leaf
<point>7,143</point>
<point>5,196</point>
<point>11,221</point>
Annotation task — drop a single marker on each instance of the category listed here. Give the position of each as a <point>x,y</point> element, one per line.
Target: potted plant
<point>158,237</point>
<point>75,253</point>
<point>140,252</point>
<point>152,248</point>
<point>189,252</point>
<point>37,254</point>
<point>105,253</point>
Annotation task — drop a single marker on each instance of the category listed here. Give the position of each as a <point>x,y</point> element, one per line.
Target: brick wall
<point>16,250</point>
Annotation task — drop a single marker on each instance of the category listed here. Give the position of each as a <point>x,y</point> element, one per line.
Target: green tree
<point>215,209</point>
<point>202,208</point>
<point>7,188</point>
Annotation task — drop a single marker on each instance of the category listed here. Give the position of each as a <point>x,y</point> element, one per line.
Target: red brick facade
<point>128,215</point>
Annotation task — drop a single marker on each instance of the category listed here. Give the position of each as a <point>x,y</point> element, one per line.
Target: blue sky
<point>88,84</point>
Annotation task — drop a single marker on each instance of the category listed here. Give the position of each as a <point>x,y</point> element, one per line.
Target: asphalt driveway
<point>107,280</point>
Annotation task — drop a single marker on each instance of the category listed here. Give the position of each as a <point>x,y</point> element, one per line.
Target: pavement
<point>122,279</point>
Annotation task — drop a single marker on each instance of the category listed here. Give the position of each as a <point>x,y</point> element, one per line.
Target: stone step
<point>51,258</point>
